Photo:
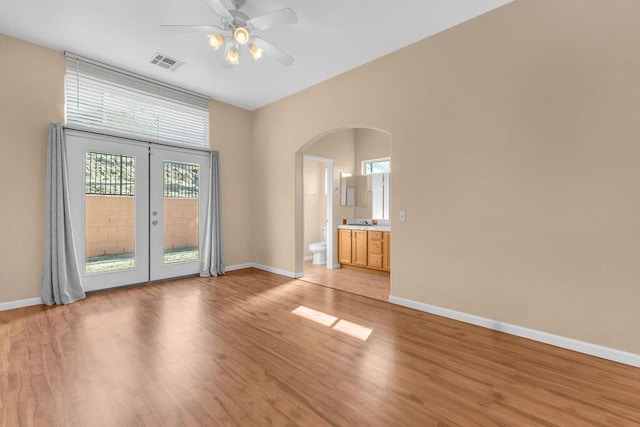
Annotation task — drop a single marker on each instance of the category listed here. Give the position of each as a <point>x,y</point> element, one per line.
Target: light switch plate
<point>403,216</point>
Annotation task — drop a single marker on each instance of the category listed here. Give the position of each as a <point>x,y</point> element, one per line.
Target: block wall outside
<point>110,228</point>
<point>180,223</point>
<point>110,225</point>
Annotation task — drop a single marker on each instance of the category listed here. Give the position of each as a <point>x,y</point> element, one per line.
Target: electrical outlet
<point>403,216</point>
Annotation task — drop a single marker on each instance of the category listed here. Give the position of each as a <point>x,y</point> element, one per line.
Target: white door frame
<point>331,230</point>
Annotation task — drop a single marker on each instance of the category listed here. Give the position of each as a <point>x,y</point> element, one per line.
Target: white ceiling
<point>333,36</point>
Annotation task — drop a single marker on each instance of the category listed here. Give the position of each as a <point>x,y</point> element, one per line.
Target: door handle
<point>154,222</point>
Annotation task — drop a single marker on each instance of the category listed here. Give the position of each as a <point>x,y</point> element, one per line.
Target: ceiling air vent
<point>166,62</point>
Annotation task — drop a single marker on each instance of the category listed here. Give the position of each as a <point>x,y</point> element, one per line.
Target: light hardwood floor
<point>361,281</point>
<point>229,351</point>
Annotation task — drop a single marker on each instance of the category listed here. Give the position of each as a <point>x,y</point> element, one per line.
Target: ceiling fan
<point>238,29</point>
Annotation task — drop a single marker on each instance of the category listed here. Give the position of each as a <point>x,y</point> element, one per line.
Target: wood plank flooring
<point>229,351</point>
<point>361,281</point>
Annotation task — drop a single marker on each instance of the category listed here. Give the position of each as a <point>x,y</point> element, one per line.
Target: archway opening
<point>327,200</point>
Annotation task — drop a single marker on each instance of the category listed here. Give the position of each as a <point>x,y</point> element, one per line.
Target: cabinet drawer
<point>375,235</point>
<point>375,261</point>
<point>375,247</point>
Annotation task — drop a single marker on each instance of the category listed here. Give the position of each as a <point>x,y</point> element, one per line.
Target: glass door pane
<point>181,192</point>
<point>110,228</point>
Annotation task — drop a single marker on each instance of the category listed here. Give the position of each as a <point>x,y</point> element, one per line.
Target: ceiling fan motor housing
<point>239,20</point>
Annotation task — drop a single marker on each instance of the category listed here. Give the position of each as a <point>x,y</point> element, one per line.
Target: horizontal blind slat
<point>104,99</point>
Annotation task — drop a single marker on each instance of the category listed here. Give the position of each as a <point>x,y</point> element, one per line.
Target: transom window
<point>370,167</point>
<point>118,102</point>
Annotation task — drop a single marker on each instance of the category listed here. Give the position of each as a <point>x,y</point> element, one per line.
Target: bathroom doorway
<point>317,210</point>
<point>346,152</point>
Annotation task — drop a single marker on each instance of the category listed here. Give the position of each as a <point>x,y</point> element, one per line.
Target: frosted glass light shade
<point>215,41</point>
<point>256,52</point>
<point>241,35</point>
<point>233,56</point>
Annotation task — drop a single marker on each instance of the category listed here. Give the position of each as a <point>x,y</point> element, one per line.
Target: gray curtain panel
<point>60,277</point>
<point>212,263</point>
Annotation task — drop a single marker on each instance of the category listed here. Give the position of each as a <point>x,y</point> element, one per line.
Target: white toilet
<point>319,249</point>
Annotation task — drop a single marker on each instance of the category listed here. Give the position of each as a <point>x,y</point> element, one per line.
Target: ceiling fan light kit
<point>241,35</point>
<point>255,51</point>
<point>238,29</point>
<point>215,41</point>
<point>233,55</point>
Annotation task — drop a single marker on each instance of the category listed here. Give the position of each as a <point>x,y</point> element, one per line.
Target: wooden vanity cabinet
<point>365,248</point>
<point>359,247</point>
<point>344,246</point>
<point>375,249</point>
<point>386,251</point>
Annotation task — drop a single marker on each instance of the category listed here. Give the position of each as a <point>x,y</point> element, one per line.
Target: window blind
<point>115,101</point>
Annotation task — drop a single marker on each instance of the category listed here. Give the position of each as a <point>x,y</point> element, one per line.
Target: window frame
<point>364,164</point>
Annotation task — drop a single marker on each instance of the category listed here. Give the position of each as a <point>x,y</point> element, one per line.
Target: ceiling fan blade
<point>209,29</point>
<point>219,7</point>
<point>272,51</point>
<point>273,19</point>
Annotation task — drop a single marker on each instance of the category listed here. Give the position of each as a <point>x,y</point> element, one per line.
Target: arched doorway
<point>344,151</point>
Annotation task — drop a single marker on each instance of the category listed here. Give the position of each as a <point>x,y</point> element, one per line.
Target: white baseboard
<point>10,305</point>
<point>308,258</point>
<point>277,271</point>
<point>274,270</point>
<point>238,266</point>
<point>532,334</point>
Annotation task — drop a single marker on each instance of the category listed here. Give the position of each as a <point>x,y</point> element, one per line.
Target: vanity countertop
<point>367,227</point>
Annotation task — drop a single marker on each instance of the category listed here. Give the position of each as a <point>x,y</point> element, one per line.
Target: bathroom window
<point>370,167</point>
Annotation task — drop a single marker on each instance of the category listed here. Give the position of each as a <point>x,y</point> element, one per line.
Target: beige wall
<point>515,154</point>
<point>230,130</point>
<point>31,96</point>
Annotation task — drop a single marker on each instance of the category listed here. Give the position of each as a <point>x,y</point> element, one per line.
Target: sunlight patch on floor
<point>352,329</point>
<point>349,328</point>
<point>315,316</point>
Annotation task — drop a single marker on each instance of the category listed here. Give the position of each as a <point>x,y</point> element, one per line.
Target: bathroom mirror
<point>347,189</point>
<point>355,190</point>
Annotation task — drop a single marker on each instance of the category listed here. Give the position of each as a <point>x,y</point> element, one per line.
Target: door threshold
<point>136,285</point>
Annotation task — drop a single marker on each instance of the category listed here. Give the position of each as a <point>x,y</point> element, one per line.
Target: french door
<point>178,195</point>
<point>137,209</point>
